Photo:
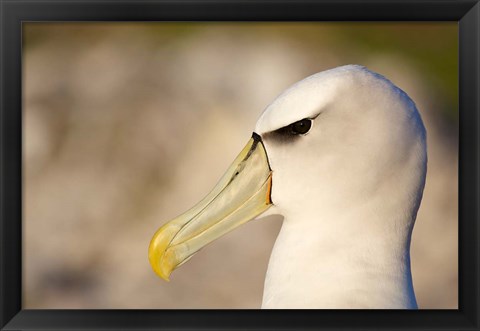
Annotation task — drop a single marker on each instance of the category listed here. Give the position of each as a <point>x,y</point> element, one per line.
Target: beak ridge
<point>242,193</point>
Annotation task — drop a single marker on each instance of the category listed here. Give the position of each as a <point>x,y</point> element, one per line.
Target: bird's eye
<point>301,127</point>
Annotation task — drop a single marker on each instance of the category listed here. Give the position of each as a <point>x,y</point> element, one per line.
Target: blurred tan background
<point>126,125</point>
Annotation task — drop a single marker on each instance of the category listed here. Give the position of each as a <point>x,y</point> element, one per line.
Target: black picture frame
<point>14,12</point>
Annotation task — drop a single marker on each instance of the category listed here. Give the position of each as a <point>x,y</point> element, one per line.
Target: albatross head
<point>342,156</point>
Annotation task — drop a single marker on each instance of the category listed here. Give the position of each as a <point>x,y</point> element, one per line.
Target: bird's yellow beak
<point>241,194</point>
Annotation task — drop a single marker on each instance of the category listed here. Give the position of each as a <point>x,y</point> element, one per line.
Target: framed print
<point>180,165</point>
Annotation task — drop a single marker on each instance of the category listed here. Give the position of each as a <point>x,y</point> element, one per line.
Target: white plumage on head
<point>341,155</point>
<point>349,191</point>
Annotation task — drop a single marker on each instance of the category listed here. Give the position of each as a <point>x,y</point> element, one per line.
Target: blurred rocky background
<point>126,125</point>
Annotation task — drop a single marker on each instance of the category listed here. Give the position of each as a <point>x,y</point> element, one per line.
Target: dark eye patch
<point>301,127</point>
<point>290,132</point>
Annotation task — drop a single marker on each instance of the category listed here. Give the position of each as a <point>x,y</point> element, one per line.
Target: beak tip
<point>165,277</point>
<point>161,261</point>
<point>161,269</point>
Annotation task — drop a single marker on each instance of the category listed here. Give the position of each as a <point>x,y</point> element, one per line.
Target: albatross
<point>342,156</point>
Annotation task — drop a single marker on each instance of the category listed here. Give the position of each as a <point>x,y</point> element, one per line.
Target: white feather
<point>349,191</point>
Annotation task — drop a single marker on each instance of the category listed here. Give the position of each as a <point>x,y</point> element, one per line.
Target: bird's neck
<point>350,261</point>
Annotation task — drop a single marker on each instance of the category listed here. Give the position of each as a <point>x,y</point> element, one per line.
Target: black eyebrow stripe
<point>284,128</point>
<point>283,131</point>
